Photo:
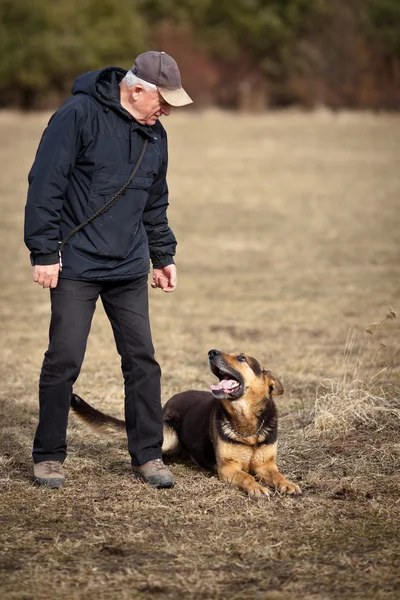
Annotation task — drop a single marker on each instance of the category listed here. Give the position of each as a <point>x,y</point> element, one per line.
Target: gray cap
<point>161,70</point>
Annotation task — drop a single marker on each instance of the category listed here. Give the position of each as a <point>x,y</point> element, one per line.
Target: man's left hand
<point>165,278</point>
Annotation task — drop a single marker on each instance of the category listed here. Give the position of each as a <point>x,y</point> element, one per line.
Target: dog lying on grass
<point>232,430</point>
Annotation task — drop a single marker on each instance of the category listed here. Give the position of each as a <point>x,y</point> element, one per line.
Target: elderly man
<point>86,157</point>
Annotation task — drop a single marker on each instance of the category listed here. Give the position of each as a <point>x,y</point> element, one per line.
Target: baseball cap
<point>161,69</point>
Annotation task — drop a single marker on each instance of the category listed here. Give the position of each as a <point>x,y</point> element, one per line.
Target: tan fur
<point>171,444</point>
<point>231,472</point>
<point>109,428</point>
<point>247,463</point>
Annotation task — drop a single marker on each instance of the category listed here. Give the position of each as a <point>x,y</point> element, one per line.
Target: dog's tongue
<point>226,385</point>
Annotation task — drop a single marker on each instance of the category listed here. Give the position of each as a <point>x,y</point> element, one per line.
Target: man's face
<point>149,106</point>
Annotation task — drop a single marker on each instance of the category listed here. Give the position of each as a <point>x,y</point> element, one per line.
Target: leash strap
<point>106,206</point>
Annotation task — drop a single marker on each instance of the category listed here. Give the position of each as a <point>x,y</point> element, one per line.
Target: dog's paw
<point>258,491</point>
<point>287,487</point>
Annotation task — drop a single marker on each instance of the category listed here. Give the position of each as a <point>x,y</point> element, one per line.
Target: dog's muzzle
<point>230,383</point>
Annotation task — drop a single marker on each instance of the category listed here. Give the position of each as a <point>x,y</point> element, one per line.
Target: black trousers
<point>72,307</point>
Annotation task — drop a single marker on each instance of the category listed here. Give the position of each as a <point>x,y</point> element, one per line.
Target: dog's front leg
<point>231,472</point>
<point>268,473</point>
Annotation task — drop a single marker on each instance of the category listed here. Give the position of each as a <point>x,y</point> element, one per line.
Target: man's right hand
<point>46,275</point>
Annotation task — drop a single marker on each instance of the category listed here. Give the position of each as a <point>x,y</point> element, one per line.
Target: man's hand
<point>165,278</point>
<point>46,275</point>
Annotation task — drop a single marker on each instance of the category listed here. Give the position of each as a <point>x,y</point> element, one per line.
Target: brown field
<point>289,238</point>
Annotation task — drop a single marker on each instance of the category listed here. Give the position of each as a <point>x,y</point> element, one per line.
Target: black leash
<point>106,206</point>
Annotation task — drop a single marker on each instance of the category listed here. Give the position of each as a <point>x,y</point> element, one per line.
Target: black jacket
<point>86,154</point>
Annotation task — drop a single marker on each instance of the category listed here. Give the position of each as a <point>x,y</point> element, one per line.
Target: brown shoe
<point>49,473</point>
<point>155,473</point>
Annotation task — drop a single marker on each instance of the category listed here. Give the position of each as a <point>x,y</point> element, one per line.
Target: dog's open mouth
<point>229,385</point>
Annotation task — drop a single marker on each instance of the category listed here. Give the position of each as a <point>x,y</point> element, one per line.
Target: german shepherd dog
<point>232,430</point>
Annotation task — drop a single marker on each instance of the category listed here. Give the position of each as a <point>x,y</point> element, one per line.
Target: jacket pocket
<point>112,234</point>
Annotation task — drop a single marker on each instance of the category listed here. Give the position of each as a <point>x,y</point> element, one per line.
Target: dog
<point>231,430</point>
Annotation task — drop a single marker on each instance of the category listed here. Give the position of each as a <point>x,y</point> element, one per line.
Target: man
<point>86,154</point>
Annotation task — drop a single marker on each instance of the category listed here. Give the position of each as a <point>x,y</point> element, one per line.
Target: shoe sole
<point>167,484</point>
<point>50,483</point>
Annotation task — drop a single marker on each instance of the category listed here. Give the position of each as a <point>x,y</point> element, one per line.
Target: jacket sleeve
<point>162,242</point>
<point>48,181</point>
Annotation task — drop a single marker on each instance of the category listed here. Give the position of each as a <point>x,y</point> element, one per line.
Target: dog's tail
<point>104,424</point>
<point>96,420</point>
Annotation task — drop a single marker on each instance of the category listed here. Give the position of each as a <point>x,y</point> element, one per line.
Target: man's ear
<point>275,386</point>
<point>137,90</point>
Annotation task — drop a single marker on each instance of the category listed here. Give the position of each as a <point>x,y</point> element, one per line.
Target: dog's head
<point>239,375</point>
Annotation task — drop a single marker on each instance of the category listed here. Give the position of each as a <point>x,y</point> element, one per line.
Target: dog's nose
<point>213,353</point>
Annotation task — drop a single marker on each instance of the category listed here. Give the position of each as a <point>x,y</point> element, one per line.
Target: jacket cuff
<point>161,260</point>
<point>44,259</point>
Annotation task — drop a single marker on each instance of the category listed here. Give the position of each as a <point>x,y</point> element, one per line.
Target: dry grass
<point>358,397</point>
<point>289,238</point>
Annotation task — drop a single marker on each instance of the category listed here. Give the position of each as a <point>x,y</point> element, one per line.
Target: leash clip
<point>60,258</point>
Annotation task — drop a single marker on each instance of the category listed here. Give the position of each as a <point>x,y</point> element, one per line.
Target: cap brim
<point>175,97</point>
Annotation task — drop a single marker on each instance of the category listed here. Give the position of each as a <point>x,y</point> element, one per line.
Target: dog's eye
<point>241,358</point>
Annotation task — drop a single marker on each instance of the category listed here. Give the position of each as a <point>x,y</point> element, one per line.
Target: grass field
<point>289,238</point>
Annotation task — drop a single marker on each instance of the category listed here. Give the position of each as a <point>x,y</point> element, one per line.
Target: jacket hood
<point>103,85</point>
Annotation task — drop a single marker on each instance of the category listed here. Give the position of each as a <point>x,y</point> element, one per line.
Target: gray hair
<point>131,79</point>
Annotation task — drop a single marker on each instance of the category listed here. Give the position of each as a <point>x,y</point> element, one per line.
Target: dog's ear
<point>275,386</point>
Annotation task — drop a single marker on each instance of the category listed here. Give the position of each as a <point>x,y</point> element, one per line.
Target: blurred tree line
<point>246,54</point>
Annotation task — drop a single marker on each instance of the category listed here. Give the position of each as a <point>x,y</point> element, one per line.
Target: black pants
<point>72,307</point>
